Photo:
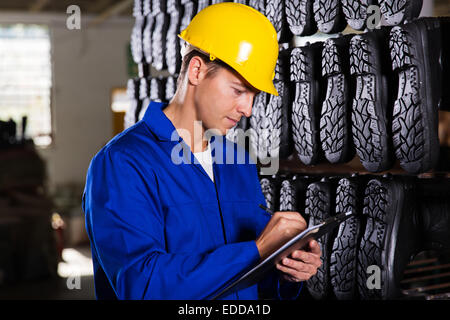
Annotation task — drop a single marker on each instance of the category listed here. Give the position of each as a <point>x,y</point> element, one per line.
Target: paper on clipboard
<point>299,241</point>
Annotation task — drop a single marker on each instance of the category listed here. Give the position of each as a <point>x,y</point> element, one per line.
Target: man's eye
<point>238,92</point>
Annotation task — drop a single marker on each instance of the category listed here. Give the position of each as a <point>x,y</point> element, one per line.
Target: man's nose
<point>245,107</point>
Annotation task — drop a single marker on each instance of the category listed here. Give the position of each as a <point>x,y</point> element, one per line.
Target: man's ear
<point>196,70</point>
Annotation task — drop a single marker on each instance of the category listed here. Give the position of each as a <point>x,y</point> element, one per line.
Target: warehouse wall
<point>87,64</point>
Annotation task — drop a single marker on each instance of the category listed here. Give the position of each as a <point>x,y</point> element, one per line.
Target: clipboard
<point>299,241</point>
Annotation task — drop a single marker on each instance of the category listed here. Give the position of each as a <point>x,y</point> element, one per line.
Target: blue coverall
<point>164,230</point>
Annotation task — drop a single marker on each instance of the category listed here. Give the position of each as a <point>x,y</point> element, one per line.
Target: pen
<point>266,209</point>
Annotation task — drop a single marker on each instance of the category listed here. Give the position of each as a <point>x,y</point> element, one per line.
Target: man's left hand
<point>301,264</point>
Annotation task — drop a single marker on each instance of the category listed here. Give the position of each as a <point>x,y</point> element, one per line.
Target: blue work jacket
<point>159,227</point>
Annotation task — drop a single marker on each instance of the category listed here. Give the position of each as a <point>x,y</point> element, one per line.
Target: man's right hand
<point>281,228</point>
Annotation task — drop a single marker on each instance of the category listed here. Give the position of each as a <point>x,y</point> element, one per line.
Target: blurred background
<point>63,96</point>
<point>61,91</point>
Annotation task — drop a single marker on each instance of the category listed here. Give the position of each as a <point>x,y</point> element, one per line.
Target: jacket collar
<point>159,124</point>
<point>164,130</point>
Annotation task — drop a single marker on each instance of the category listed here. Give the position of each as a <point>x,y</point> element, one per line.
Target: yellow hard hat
<point>240,36</point>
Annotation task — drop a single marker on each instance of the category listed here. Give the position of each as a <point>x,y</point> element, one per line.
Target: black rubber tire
<point>301,185</point>
<point>133,95</point>
<point>435,217</point>
<point>415,52</point>
<point>189,11</point>
<point>343,263</point>
<point>445,61</point>
<point>307,104</point>
<point>144,88</point>
<point>270,190</point>
<point>288,199</point>
<point>171,87</point>
<point>130,117</point>
<point>159,41</point>
<point>300,17</point>
<point>146,7</point>
<point>372,102</point>
<point>133,88</point>
<point>172,54</point>
<point>376,210</point>
<point>157,87</point>
<point>396,12</point>
<point>202,4</point>
<point>328,15</point>
<point>143,109</point>
<point>136,40</point>
<point>138,8</point>
<point>320,197</point>
<point>355,12</point>
<point>335,121</point>
<point>158,6</point>
<point>147,39</point>
<point>278,121</point>
<point>276,14</point>
<point>390,238</point>
<point>259,5</point>
<point>257,121</point>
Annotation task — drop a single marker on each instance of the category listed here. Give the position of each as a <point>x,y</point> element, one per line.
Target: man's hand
<point>301,265</point>
<point>281,228</point>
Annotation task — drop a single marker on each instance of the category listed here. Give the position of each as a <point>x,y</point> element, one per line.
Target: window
<point>26,79</point>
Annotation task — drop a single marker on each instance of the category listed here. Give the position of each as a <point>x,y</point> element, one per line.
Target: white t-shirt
<point>205,160</point>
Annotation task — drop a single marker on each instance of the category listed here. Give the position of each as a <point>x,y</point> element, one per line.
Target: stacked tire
<point>155,48</point>
<point>390,224</point>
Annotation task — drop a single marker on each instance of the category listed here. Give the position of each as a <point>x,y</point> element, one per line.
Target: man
<point>169,226</point>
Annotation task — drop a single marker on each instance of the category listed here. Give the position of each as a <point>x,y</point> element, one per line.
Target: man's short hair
<point>213,66</point>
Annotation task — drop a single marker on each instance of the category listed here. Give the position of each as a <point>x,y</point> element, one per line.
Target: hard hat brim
<point>265,87</point>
